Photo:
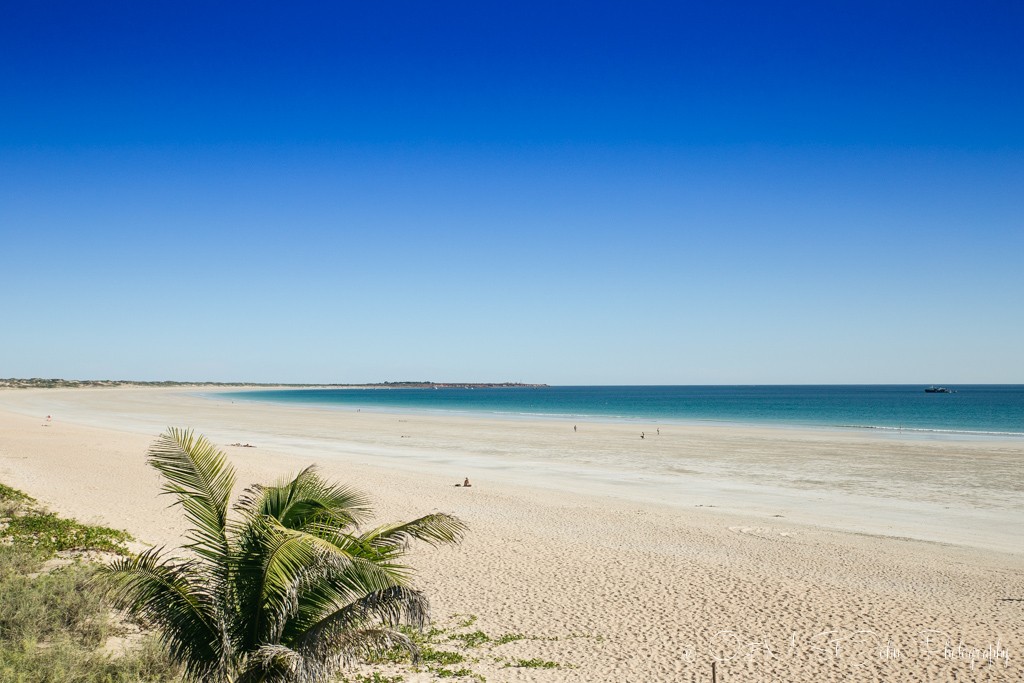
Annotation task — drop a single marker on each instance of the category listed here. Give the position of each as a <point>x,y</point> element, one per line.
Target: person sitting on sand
<point>466,483</point>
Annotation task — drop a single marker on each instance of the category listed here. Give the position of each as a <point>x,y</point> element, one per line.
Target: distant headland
<point>40,383</point>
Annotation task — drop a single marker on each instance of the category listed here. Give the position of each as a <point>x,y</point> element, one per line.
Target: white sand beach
<point>782,554</point>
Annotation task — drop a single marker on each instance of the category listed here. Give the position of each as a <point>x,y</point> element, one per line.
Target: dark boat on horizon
<point>938,390</point>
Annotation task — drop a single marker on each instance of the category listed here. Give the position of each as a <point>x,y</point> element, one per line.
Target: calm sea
<point>981,409</point>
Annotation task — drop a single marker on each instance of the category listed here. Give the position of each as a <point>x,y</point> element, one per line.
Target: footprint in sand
<point>765,533</point>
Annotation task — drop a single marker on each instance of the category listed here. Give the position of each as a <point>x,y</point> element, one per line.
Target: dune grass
<point>53,622</point>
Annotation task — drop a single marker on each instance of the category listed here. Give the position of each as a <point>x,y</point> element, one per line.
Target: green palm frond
<point>325,590</point>
<point>269,561</point>
<point>285,592</point>
<point>275,567</point>
<point>435,529</point>
<point>306,499</point>
<point>391,607</point>
<point>168,596</point>
<point>201,479</point>
<point>271,663</point>
<point>324,657</point>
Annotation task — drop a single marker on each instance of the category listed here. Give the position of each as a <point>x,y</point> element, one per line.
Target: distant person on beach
<point>659,431</point>
<point>574,428</point>
<point>641,435</point>
<point>466,483</point>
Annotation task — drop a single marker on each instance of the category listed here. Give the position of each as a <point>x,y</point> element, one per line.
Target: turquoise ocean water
<point>972,409</point>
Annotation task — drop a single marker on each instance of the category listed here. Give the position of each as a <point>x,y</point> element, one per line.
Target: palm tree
<point>287,589</point>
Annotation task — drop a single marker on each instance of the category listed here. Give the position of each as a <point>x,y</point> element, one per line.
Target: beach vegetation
<point>52,534</point>
<point>64,659</point>
<point>466,620</point>
<point>430,655</point>
<point>54,625</point>
<point>14,495</point>
<point>442,672</point>
<point>534,663</point>
<point>374,677</point>
<point>479,647</point>
<point>471,639</point>
<point>26,524</point>
<point>285,589</point>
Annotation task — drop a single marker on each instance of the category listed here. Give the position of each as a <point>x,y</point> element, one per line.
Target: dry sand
<point>784,554</point>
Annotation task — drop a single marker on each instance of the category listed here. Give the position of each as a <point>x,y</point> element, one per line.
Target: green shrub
<point>53,623</point>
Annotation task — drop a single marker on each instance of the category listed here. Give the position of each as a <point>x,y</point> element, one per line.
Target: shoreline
<point>213,389</point>
<point>922,487</point>
<point>608,578</point>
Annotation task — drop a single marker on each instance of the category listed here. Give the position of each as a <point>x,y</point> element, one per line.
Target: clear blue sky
<point>571,193</point>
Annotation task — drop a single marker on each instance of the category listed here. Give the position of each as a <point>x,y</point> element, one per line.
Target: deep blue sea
<point>980,409</point>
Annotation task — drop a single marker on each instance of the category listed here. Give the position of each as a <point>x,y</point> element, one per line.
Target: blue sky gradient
<point>648,193</point>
